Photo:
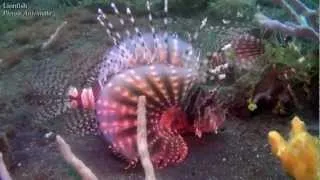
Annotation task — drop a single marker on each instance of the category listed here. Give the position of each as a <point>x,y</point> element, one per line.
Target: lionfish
<point>166,69</point>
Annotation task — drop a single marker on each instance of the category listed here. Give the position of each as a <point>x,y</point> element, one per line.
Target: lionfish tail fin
<point>48,91</point>
<point>45,91</point>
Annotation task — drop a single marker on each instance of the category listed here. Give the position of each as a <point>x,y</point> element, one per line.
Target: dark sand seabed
<point>239,151</point>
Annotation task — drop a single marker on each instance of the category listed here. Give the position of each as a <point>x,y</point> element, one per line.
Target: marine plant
<point>231,8</point>
<point>295,63</point>
<point>274,90</point>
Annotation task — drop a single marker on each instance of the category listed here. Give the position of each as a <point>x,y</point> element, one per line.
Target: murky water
<point>225,71</point>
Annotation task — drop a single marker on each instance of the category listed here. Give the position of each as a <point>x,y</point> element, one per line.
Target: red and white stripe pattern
<point>241,52</point>
<point>164,68</point>
<point>247,48</point>
<point>165,88</point>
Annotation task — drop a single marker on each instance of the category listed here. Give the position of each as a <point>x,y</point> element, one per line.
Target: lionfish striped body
<point>163,68</point>
<point>165,88</point>
<point>167,71</point>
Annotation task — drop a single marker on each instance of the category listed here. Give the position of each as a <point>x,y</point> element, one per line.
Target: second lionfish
<point>167,70</point>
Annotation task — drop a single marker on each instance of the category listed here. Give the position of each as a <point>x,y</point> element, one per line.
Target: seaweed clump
<point>287,80</point>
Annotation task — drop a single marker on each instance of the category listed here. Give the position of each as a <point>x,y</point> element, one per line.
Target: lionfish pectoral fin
<point>81,122</point>
<point>116,151</point>
<point>168,148</point>
<point>181,149</point>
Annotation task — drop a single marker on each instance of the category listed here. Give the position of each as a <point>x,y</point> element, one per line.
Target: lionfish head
<point>207,112</point>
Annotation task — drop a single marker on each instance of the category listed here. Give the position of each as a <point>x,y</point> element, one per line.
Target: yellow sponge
<point>300,155</point>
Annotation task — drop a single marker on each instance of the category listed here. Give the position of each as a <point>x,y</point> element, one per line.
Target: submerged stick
<point>4,173</point>
<point>54,36</point>
<point>75,162</point>
<point>142,140</point>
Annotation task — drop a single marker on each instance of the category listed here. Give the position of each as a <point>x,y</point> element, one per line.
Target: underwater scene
<point>159,90</point>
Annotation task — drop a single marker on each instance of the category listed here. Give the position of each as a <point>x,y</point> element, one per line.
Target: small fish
<point>242,52</point>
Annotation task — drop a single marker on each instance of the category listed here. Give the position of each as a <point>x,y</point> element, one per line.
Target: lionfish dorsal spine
<point>165,18</point>
<point>104,21</point>
<point>196,33</point>
<point>153,30</point>
<point>116,11</point>
<point>148,6</point>
<point>138,32</point>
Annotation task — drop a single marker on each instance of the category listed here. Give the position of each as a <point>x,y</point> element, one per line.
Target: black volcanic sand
<point>239,151</point>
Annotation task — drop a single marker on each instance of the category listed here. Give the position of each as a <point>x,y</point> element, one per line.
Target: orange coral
<point>300,155</point>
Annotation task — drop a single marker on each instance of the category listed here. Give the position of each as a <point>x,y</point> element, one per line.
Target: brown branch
<point>75,162</point>
<point>54,36</point>
<point>142,140</point>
